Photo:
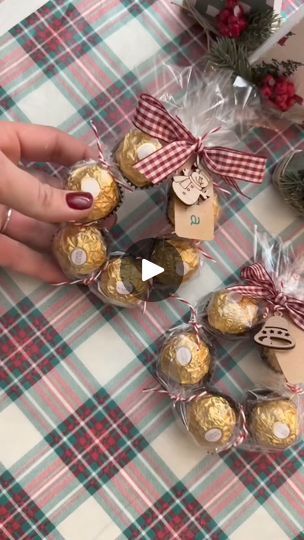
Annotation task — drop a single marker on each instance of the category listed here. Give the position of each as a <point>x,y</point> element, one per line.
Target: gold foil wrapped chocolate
<point>121,282</point>
<point>212,421</point>
<point>269,356</point>
<point>231,313</point>
<point>185,359</point>
<point>274,423</point>
<point>182,261</point>
<point>216,209</point>
<point>134,147</point>
<point>100,182</point>
<point>79,250</point>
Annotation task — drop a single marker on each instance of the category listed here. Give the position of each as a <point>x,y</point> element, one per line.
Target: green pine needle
<point>232,55</point>
<point>291,187</point>
<point>261,25</point>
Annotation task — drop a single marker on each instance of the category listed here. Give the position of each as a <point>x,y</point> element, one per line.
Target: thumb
<point>23,192</point>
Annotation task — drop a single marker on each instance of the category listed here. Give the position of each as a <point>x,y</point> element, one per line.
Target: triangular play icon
<point>150,270</point>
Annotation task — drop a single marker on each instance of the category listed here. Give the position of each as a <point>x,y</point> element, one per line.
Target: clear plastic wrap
<point>213,420</point>
<point>92,177</point>
<point>120,282</point>
<point>185,360</point>
<point>185,93</point>
<point>181,258</point>
<point>274,420</point>
<point>276,276</point>
<point>230,314</point>
<point>288,178</point>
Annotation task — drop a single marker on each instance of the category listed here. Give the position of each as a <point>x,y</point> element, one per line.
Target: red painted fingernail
<point>79,200</point>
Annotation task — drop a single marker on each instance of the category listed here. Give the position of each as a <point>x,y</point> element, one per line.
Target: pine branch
<point>261,25</point>
<point>291,186</point>
<point>275,68</point>
<point>229,54</point>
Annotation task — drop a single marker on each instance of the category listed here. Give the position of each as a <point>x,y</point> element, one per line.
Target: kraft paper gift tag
<point>292,361</point>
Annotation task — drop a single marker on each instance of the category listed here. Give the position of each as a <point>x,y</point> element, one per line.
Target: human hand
<point>25,242</point>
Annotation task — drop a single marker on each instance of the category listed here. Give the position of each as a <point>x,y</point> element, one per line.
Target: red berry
<point>270,80</point>
<point>223,30</point>
<point>266,91</point>
<point>231,3</point>
<point>223,15</point>
<point>281,87</point>
<point>280,102</point>
<point>234,31</point>
<point>232,20</point>
<point>243,24</point>
<point>291,101</point>
<point>291,89</point>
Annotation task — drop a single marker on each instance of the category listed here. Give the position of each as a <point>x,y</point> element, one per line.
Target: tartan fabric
<point>85,454</point>
<point>261,285</point>
<point>152,118</point>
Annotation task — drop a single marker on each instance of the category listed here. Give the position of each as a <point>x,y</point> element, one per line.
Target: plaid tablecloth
<point>85,454</point>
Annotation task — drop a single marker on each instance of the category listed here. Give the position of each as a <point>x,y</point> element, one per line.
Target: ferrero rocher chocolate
<point>211,420</point>
<point>134,147</point>
<point>269,356</point>
<point>182,260</point>
<point>216,209</point>
<point>121,282</point>
<point>274,423</point>
<point>79,250</point>
<point>231,313</point>
<point>100,182</point>
<point>185,359</point>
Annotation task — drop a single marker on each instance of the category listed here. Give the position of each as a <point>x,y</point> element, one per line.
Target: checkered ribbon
<point>152,118</point>
<point>261,286</point>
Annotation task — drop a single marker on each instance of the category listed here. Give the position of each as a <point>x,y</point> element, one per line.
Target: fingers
<point>20,258</point>
<point>23,192</point>
<point>35,234</point>
<point>41,143</point>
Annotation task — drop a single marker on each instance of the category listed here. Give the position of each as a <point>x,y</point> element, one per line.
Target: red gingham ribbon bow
<point>152,118</point>
<point>261,285</point>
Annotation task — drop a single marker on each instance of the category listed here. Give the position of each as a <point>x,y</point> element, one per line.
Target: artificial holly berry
<point>280,91</point>
<point>291,89</point>
<point>266,91</point>
<point>231,20</point>
<point>281,86</point>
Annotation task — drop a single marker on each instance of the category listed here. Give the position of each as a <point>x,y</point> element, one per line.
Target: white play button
<point>150,270</point>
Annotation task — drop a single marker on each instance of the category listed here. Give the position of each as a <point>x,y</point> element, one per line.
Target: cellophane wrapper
<point>229,314</point>
<point>185,360</point>
<point>212,420</point>
<point>284,262</point>
<point>274,419</point>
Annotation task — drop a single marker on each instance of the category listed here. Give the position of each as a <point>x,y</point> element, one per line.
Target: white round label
<point>182,268</point>
<point>145,150</point>
<point>281,430</point>
<point>78,256</point>
<point>183,356</point>
<point>124,288</point>
<point>90,185</point>
<point>213,435</point>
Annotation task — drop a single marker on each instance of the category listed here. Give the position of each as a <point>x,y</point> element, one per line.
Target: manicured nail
<point>79,200</point>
